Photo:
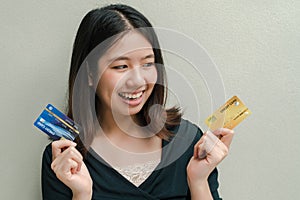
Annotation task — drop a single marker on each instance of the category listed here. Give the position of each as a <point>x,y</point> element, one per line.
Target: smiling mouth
<point>131,96</point>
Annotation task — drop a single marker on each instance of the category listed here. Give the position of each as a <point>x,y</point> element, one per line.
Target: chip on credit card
<point>228,115</point>
<point>56,124</point>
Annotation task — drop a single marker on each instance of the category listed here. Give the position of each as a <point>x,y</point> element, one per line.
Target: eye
<point>150,64</point>
<point>120,67</point>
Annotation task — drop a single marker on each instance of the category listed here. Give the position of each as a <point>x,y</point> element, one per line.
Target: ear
<point>89,74</point>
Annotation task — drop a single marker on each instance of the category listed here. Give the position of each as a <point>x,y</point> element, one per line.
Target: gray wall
<point>255,45</point>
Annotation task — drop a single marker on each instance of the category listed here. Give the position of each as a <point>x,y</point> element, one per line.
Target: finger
<point>222,148</point>
<point>211,141</point>
<point>65,168</point>
<point>223,132</point>
<point>73,165</point>
<point>72,153</point>
<point>66,161</point>
<point>219,152</point>
<point>58,145</point>
<point>226,135</point>
<point>202,152</point>
<point>196,146</point>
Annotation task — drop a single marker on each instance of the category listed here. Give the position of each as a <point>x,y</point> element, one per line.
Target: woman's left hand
<point>215,149</point>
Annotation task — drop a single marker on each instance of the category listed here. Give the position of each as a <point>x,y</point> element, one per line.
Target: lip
<point>133,102</point>
<point>135,91</point>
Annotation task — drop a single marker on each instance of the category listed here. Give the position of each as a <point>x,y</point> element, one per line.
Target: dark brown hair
<point>106,25</point>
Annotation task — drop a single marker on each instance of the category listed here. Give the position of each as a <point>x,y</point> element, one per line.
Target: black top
<point>168,181</point>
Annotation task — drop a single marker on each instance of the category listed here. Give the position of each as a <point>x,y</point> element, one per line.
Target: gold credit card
<point>229,115</point>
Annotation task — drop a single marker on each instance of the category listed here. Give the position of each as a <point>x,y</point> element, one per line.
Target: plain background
<point>255,45</point>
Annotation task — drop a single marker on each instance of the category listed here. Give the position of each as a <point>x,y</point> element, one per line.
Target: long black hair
<point>107,25</point>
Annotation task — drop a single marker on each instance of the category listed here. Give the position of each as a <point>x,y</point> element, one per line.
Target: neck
<point>115,123</point>
<point>123,131</point>
<point>118,146</point>
<point>112,123</point>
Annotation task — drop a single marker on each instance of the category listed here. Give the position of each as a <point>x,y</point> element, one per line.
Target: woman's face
<point>127,75</point>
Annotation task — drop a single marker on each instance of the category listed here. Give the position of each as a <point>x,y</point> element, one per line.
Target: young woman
<point>130,146</point>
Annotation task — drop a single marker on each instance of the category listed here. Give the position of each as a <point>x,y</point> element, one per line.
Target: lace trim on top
<point>138,173</point>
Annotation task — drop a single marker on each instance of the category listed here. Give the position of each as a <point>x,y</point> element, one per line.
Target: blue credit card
<point>56,124</point>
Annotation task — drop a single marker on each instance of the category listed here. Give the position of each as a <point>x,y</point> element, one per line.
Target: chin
<point>134,111</point>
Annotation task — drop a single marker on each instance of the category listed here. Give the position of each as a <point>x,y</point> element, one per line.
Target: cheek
<point>107,84</point>
<point>152,76</point>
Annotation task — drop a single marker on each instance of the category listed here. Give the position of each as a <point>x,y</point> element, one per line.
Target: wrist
<point>200,190</point>
<point>87,195</point>
<point>197,185</point>
<point>196,182</point>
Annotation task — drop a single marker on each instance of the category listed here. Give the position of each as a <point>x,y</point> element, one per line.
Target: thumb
<point>225,135</point>
<point>59,145</point>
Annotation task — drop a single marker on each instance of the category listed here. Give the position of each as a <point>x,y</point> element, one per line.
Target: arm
<point>64,174</point>
<point>52,187</point>
<point>202,174</point>
<point>213,186</point>
<point>200,191</point>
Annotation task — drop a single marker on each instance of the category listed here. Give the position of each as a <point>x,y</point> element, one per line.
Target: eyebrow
<point>148,56</point>
<point>127,58</point>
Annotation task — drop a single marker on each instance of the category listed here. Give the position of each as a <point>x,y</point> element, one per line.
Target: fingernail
<point>202,154</point>
<point>74,144</point>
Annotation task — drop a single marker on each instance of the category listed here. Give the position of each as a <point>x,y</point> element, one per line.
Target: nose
<point>135,78</point>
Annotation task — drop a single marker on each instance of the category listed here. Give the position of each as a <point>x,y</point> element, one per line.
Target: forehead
<point>131,43</point>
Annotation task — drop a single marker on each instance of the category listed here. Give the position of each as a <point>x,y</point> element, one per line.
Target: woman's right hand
<point>68,165</point>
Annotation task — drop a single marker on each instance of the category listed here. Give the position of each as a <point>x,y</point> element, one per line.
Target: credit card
<point>228,115</point>
<point>56,124</point>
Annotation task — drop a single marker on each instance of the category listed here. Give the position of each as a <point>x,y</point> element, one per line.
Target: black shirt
<point>168,181</point>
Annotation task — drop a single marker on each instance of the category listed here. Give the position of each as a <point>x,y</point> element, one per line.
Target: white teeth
<point>131,96</point>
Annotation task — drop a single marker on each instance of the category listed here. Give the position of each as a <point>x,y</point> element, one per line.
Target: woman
<point>130,146</point>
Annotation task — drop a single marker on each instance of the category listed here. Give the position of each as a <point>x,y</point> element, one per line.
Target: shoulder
<point>47,160</point>
<point>181,145</point>
<point>47,154</point>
